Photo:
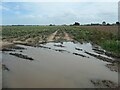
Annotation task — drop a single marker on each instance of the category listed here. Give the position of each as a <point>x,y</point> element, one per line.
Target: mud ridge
<point>100,57</point>
<point>80,55</point>
<point>21,56</point>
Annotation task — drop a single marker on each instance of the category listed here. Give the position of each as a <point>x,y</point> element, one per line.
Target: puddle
<point>53,69</point>
<point>0,70</point>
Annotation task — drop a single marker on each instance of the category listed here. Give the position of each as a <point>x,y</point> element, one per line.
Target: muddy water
<point>55,69</point>
<point>0,70</point>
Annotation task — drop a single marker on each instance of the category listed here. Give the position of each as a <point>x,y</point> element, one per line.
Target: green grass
<point>25,32</point>
<point>111,45</point>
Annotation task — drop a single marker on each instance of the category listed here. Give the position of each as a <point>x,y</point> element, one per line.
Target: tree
<point>50,25</point>
<point>108,24</point>
<point>117,23</point>
<point>103,23</point>
<point>76,24</point>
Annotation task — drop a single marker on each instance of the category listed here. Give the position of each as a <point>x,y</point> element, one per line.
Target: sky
<point>45,13</point>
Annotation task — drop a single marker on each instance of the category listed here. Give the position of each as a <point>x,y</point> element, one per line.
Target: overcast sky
<point>58,12</point>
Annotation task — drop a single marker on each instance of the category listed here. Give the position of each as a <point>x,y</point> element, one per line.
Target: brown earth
<point>112,29</point>
<point>5,45</point>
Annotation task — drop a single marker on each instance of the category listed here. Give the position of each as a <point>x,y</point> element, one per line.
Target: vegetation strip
<point>21,56</point>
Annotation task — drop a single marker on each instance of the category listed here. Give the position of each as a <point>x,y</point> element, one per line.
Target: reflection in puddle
<point>55,69</point>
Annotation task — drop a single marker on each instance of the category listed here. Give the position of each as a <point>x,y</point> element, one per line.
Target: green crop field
<point>107,40</point>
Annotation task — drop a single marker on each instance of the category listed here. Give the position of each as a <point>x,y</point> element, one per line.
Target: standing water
<point>55,66</point>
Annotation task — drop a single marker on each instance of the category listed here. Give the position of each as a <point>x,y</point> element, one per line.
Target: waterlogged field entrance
<point>57,57</point>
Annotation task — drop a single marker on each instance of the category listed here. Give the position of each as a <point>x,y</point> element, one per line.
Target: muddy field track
<point>59,56</point>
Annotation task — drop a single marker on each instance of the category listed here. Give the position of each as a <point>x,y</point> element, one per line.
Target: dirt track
<point>53,35</point>
<point>67,37</point>
<point>5,45</point>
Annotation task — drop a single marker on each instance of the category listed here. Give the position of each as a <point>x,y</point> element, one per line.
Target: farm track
<point>51,37</point>
<point>57,35</point>
<point>67,36</point>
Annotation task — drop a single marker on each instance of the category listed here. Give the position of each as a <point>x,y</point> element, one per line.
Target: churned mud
<point>104,83</point>
<point>58,64</point>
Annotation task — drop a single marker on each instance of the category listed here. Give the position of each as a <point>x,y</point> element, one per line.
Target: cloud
<point>4,8</point>
<point>60,0</point>
<point>58,13</point>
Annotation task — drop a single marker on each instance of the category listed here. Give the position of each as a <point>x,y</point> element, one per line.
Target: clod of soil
<point>113,67</point>
<point>80,55</point>
<point>60,50</point>
<point>21,56</point>
<point>59,45</point>
<point>104,83</point>
<point>4,67</point>
<point>99,51</point>
<point>42,42</point>
<point>78,49</point>
<point>44,47</point>
<point>99,57</point>
<point>110,54</point>
<point>17,47</point>
<point>7,49</point>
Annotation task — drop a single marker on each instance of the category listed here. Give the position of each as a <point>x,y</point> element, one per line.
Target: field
<point>112,29</point>
<point>105,36</point>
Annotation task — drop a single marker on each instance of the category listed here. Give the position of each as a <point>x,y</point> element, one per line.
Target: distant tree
<point>108,24</point>
<point>71,25</point>
<point>117,23</point>
<point>50,25</point>
<point>103,23</point>
<point>76,24</point>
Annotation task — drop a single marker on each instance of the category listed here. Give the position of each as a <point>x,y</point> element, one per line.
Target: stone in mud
<point>21,56</point>
<point>4,67</point>
<point>104,84</point>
